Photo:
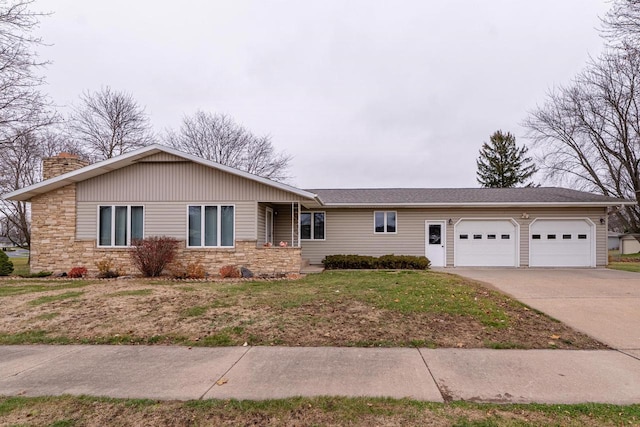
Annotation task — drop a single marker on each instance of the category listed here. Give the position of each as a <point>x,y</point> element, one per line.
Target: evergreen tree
<point>6,266</point>
<point>502,164</point>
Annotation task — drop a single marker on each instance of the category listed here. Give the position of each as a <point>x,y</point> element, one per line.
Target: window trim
<point>113,224</point>
<point>219,225</point>
<point>312,213</point>
<point>385,223</point>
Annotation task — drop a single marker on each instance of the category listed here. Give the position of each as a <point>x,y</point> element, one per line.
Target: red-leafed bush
<point>230,271</point>
<point>76,272</point>
<point>151,255</point>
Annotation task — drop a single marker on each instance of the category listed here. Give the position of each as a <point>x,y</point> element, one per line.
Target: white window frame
<point>218,225</point>
<point>385,222</point>
<point>324,214</point>
<point>113,225</point>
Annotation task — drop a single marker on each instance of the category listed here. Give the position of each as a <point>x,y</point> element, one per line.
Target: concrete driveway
<point>602,303</point>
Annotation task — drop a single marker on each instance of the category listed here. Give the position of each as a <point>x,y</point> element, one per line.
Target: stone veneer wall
<point>54,247</point>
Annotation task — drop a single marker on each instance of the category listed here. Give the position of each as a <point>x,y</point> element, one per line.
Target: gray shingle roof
<point>453,196</point>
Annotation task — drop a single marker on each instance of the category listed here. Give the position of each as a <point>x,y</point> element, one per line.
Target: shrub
<point>38,274</point>
<point>6,266</point>
<point>193,270</point>
<point>77,272</point>
<point>337,262</point>
<point>151,255</point>
<point>105,269</point>
<point>230,271</point>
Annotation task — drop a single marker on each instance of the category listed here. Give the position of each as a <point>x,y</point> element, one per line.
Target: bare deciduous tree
<point>23,107</point>
<point>588,133</point>
<point>20,166</point>
<point>218,138</point>
<point>622,22</point>
<point>109,123</point>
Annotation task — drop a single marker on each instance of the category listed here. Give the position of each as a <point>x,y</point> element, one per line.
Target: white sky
<point>361,93</point>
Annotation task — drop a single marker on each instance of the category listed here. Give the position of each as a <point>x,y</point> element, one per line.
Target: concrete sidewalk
<point>158,372</point>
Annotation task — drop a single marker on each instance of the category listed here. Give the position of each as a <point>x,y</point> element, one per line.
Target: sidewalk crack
<point>444,392</point>
<point>225,373</point>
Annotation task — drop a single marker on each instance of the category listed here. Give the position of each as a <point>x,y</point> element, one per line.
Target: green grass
<point>80,410</point>
<point>20,265</point>
<point>33,286</point>
<point>195,311</point>
<point>400,291</point>
<point>52,298</point>
<point>625,266</point>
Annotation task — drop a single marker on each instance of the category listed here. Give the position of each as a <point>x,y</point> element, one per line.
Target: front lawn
<point>627,262</point>
<point>336,308</point>
<point>333,411</point>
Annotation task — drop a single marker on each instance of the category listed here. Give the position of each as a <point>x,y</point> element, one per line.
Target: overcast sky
<point>360,93</point>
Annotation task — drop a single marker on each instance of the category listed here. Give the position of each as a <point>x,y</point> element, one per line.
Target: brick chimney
<point>61,164</point>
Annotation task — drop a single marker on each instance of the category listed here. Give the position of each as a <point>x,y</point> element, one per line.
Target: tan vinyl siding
<point>176,181</point>
<point>166,219</point>
<point>350,231</point>
<point>162,157</point>
<point>282,225</point>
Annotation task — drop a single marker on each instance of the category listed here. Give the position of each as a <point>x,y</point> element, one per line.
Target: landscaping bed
<point>337,308</point>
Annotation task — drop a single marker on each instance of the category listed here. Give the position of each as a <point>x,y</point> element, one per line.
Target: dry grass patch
<point>365,308</point>
<point>325,411</point>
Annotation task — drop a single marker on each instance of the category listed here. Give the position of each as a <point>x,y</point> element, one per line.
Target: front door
<point>435,243</point>
<point>268,234</point>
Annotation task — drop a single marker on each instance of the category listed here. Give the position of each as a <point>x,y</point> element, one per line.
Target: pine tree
<point>502,164</point>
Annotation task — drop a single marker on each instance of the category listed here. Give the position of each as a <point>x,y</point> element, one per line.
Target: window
<point>535,236</point>
<point>491,236</point>
<point>211,226</point>
<point>505,236</point>
<point>566,236</point>
<point>551,237</point>
<point>582,236</point>
<point>312,225</point>
<point>119,225</point>
<point>464,236</point>
<point>384,221</point>
<point>477,236</point>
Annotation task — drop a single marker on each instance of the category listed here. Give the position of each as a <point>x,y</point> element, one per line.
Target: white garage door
<point>561,243</point>
<point>486,243</point>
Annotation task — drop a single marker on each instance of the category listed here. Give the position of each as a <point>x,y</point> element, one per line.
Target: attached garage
<point>486,243</point>
<point>562,243</point>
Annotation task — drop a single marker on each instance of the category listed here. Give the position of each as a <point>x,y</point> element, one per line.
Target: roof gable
<point>150,153</point>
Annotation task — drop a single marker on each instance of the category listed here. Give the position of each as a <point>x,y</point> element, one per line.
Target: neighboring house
<point>82,214</point>
<point>613,240</point>
<point>629,244</point>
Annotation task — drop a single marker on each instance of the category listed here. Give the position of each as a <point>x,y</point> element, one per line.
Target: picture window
<point>211,226</point>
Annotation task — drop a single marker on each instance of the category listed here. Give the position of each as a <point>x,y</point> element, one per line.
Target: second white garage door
<point>561,243</point>
<point>486,243</point>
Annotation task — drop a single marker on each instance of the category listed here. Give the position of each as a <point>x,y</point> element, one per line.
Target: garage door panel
<point>561,243</point>
<point>485,243</point>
